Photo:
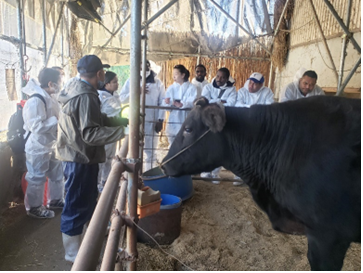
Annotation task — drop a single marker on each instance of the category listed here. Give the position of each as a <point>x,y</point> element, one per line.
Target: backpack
<point>15,134</point>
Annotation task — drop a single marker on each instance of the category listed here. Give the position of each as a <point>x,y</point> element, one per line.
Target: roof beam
<point>239,25</point>
<point>341,23</point>
<point>160,12</point>
<point>123,51</point>
<point>324,40</point>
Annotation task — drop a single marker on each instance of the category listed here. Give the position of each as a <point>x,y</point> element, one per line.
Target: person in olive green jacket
<point>83,132</point>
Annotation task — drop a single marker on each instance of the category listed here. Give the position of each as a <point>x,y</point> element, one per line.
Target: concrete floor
<point>29,244</point>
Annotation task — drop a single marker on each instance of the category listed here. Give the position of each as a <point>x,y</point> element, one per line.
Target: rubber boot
<point>71,246</point>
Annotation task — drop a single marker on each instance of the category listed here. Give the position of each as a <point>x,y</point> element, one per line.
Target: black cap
<point>89,64</point>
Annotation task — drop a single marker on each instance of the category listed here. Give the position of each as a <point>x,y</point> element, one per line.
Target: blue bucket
<point>181,186</point>
<point>169,201</point>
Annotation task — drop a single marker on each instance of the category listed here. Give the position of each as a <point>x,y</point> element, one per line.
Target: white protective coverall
<point>41,120</point>
<point>211,92</point>
<point>111,106</point>
<point>246,99</point>
<point>186,93</point>
<point>199,86</point>
<point>292,91</point>
<point>154,97</point>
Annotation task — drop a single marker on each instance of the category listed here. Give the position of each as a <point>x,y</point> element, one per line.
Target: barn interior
<point>221,227</point>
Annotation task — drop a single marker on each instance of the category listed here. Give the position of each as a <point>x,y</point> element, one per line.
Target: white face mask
<point>56,88</point>
<point>147,73</point>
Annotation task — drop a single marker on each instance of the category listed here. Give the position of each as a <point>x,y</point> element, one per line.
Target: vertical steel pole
<point>135,60</point>
<point>344,45</point>
<point>144,49</point>
<point>44,14</point>
<point>62,40</point>
<point>20,36</point>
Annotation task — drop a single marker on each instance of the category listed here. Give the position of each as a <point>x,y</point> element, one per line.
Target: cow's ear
<point>214,117</point>
<point>202,101</point>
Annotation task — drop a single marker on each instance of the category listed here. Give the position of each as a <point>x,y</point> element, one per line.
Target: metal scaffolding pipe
<point>109,256</point>
<point>135,60</point>
<point>21,42</point>
<point>280,19</point>
<point>270,76</point>
<point>347,79</point>
<point>44,16</point>
<point>89,252</point>
<point>324,40</point>
<point>62,41</point>
<point>341,23</point>
<point>143,84</point>
<point>239,25</point>
<point>160,12</point>
<point>55,34</point>
<point>344,45</point>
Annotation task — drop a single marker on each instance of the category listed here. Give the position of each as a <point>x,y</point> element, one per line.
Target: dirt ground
<point>222,229</point>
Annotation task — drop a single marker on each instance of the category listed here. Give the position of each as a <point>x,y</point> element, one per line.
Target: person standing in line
<point>111,106</point>
<point>221,90</point>
<point>40,115</point>
<point>199,81</point>
<point>83,132</point>
<point>154,118</point>
<point>180,94</point>
<point>253,92</point>
<point>302,87</point>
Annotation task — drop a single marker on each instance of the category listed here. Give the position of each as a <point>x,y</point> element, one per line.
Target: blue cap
<point>89,64</point>
<point>257,77</point>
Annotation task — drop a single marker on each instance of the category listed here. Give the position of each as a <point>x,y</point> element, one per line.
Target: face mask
<point>100,84</point>
<point>56,88</point>
<point>147,73</point>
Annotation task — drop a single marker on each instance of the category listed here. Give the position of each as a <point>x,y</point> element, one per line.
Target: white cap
<point>257,77</point>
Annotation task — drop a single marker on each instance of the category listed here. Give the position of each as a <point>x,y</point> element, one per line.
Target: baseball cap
<point>89,64</point>
<point>257,77</point>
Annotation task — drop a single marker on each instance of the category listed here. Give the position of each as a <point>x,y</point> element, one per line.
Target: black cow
<point>300,159</point>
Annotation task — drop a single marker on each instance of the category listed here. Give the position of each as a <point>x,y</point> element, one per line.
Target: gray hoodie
<point>82,129</point>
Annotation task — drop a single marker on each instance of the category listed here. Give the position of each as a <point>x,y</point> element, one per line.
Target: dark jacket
<point>82,129</point>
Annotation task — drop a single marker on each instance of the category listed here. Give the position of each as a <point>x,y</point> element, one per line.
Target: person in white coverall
<point>181,94</point>
<point>40,120</point>
<point>253,92</point>
<point>199,81</point>
<point>221,90</point>
<point>303,86</point>
<point>154,118</point>
<point>111,106</point>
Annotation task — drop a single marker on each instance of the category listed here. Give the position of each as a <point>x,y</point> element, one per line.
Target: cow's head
<point>204,154</point>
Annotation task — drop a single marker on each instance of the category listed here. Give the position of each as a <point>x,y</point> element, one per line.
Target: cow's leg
<point>326,251</point>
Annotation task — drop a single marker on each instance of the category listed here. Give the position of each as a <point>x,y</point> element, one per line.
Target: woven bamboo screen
<point>240,69</point>
<point>304,29</point>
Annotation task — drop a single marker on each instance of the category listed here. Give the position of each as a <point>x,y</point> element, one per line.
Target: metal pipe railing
<point>109,256</point>
<point>160,12</point>
<point>89,252</point>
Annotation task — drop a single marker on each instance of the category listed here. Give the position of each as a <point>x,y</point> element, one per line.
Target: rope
<point>182,151</point>
<point>160,246</point>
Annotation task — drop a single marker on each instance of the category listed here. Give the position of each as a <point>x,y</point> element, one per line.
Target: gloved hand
<point>159,126</point>
<point>124,121</point>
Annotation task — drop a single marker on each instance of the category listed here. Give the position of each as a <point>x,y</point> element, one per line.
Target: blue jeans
<point>81,196</point>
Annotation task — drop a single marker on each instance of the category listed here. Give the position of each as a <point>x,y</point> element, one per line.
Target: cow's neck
<point>253,141</point>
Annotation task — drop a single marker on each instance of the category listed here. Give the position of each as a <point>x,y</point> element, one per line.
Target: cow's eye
<point>188,130</point>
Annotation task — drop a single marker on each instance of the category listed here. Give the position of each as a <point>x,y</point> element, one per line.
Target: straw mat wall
<point>304,29</point>
<point>240,69</point>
